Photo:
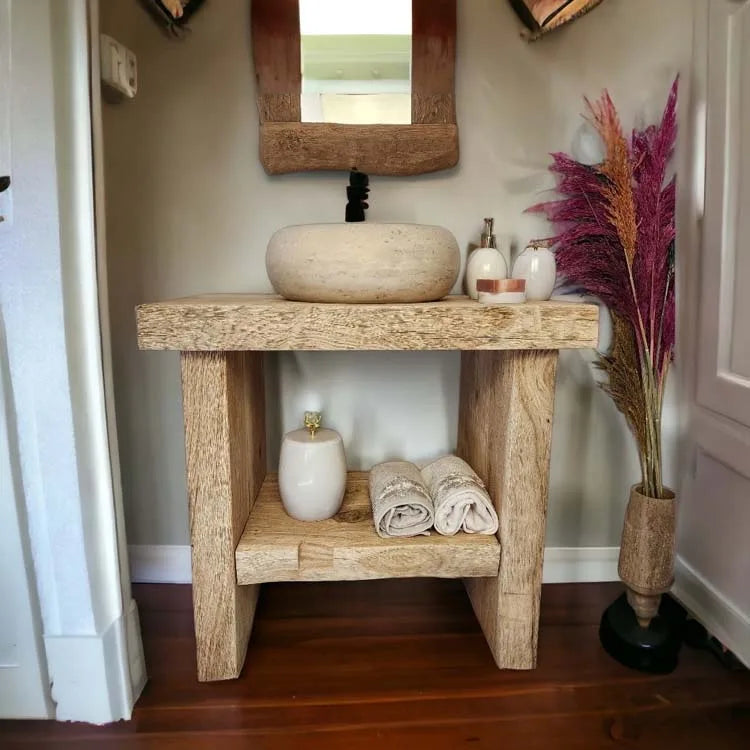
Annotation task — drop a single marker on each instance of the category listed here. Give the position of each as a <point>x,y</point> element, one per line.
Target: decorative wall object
<point>616,241</point>
<point>173,14</point>
<point>543,16</point>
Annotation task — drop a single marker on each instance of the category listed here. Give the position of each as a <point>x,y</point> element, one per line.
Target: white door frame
<point>53,292</point>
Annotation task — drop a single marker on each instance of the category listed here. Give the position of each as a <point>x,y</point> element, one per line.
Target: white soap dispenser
<point>486,262</point>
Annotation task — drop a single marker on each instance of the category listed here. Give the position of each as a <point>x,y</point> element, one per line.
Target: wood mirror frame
<point>429,144</point>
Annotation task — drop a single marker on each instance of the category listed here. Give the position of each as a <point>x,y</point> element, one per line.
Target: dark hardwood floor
<point>402,664</point>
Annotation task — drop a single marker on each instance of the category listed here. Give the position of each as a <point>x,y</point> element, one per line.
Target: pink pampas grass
<point>615,239</point>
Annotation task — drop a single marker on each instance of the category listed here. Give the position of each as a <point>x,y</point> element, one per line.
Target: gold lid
<point>313,420</point>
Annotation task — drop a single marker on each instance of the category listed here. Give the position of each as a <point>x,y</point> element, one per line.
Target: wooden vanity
<point>240,535</point>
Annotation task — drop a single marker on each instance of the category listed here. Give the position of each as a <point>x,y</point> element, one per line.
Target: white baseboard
<point>580,564</point>
<point>91,679</point>
<point>160,563</point>
<point>171,564</point>
<point>713,610</point>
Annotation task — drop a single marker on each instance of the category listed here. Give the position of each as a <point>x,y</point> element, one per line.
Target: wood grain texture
<point>393,150</point>
<point>505,426</point>
<point>277,107</point>
<point>275,547</point>
<point>647,551</point>
<point>403,664</point>
<point>224,411</point>
<point>647,548</point>
<point>277,56</point>
<point>266,322</point>
<point>433,61</point>
<point>436,109</point>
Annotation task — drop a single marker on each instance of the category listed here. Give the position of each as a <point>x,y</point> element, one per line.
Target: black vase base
<point>655,649</point>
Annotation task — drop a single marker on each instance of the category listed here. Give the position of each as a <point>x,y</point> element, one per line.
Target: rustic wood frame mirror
<point>429,144</point>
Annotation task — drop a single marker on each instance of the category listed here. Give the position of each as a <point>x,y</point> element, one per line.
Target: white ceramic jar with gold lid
<point>312,471</point>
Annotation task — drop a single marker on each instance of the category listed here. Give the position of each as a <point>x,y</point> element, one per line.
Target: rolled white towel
<point>401,504</point>
<point>460,498</point>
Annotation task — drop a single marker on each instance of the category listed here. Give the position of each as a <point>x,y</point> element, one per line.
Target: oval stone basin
<point>364,263</point>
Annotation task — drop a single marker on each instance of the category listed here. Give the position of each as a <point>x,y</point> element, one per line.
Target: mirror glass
<point>356,61</point>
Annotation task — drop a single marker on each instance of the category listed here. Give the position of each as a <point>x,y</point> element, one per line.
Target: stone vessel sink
<point>352,263</point>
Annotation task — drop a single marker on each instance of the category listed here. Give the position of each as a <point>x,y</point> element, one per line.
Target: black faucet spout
<point>357,193</point>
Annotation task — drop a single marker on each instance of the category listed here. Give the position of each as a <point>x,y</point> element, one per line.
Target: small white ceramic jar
<point>312,471</point>
<point>537,265</point>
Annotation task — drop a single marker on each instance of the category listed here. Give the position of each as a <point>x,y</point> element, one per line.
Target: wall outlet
<point>119,66</point>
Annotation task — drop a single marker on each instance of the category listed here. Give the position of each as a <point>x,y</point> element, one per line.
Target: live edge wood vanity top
<point>234,322</point>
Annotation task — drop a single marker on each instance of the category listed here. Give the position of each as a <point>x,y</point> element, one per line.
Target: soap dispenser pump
<point>486,262</point>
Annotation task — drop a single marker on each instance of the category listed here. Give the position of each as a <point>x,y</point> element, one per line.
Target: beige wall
<point>190,210</point>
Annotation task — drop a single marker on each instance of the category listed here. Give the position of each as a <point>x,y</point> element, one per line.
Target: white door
<point>24,687</point>
<point>724,351</point>
<point>714,565</point>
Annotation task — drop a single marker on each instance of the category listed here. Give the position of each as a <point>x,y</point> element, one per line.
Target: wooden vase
<point>647,552</point>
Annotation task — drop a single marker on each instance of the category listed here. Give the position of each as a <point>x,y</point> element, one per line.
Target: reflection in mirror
<point>356,61</point>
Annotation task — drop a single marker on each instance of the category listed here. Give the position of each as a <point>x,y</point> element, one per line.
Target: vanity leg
<point>505,426</point>
<point>224,410</point>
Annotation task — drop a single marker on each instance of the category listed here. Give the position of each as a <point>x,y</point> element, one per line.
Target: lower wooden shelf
<point>275,547</point>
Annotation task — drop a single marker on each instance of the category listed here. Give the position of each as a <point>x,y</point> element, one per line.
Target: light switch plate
<point>119,67</point>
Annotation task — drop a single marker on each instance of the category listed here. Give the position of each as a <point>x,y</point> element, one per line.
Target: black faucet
<point>357,193</point>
